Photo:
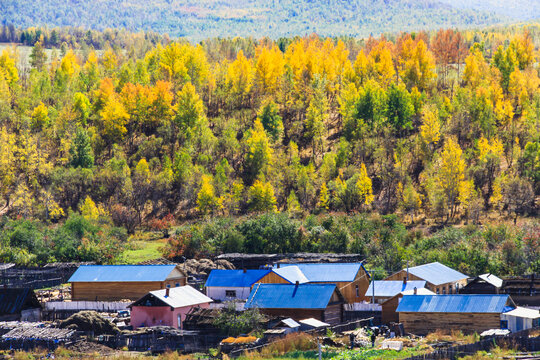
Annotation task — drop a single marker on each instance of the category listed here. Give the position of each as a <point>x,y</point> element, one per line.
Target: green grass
<point>143,250</point>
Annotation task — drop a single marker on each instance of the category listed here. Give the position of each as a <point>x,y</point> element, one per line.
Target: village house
<point>118,282</point>
<point>225,285</point>
<point>323,302</point>
<point>388,308</point>
<point>19,304</point>
<point>381,290</point>
<point>440,278</point>
<point>167,307</point>
<point>520,318</point>
<point>524,290</point>
<point>351,279</point>
<point>423,314</point>
<point>483,284</point>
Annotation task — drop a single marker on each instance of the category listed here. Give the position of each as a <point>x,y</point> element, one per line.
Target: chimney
<point>167,292</point>
<point>278,264</point>
<point>415,291</point>
<point>245,270</point>
<point>404,280</point>
<point>297,282</point>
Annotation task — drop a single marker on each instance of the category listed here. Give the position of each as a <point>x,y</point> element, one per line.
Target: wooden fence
<point>519,341</point>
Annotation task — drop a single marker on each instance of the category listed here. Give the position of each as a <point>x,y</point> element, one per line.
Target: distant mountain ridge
<point>274,18</point>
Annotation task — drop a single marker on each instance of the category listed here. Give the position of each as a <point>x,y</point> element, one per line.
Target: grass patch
<point>142,250</point>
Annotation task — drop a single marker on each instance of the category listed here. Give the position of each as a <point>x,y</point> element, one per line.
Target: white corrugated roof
<point>492,279</point>
<point>181,296</point>
<point>524,313</point>
<point>291,274</point>
<point>290,323</point>
<point>419,291</point>
<point>314,322</point>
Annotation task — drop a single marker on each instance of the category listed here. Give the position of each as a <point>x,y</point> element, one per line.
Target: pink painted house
<point>167,307</point>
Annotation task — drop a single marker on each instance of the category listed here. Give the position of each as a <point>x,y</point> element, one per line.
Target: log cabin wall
<point>355,291</point>
<point>389,307</point>
<point>424,323</point>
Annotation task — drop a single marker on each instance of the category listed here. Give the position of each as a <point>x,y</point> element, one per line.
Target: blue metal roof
<point>284,296</point>
<point>234,278</point>
<point>389,288</point>
<point>454,303</point>
<point>436,273</point>
<point>123,273</point>
<point>329,272</point>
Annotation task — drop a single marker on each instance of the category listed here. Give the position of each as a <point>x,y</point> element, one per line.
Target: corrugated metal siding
<point>437,273</point>
<point>389,288</point>
<point>234,278</point>
<point>334,272</point>
<point>121,273</point>
<point>453,303</point>
<point>280,296</point>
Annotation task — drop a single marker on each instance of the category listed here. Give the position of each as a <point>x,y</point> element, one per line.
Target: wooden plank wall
<point>348,289</point>
<point>113,291</point>
<point>423,323</point>
<point>333,314</point>
<point>389,307</point>
<point>273,278</point>
<point>296,314</point>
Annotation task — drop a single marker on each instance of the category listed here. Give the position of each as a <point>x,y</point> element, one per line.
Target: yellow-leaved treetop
<point>240,76</point>
<point>450,175</point>
<point>269,68</point>
<point>69,64</point>
<point>261,197</point>
<point>324,198</point>
<point>381,63</point>
<point>40,117</point>
<point>430,130</point>
<point>207,201</point>
<point>89,210</point>
<point>8,68</point>
<point>417,64</point>
<point>476,69</point>
<point>365,186</point>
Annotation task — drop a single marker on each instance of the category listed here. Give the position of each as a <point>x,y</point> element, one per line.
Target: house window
<point>230,293</point>
<point>179,321</point>
<point>169,286</point>
<point>357,291</point>
<point>177,284</point>
<point>444,291</point>
<point>438,291</point>
<point>504,324</point>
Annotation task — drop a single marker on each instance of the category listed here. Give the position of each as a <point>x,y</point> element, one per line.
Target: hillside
<point>276,18</point>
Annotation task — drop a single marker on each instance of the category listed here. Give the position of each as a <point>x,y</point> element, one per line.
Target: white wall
<point>517,323</point>
<point>218,293</point>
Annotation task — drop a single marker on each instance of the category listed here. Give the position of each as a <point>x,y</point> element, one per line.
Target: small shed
<point>311,323</point>
<point>323,302</point>
<point>352,279</point>
<point>440,278</point>
<point>383,290</point>
<point>483,284</point>
<point>225,285</point>
<point>422,314</point>
<point>520,318</point>
<point>118,282</point>
<point>167,307</point>
<point>283,327</point>
<point>19,304</point>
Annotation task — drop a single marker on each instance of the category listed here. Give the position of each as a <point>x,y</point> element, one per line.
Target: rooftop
<point>455,303</point>
<point>122,273</point>
<point>389,288</point>
<point>181,296</point>
<point>492,279</point>
<point>235,278</point>
<point>282,296</point>
<point>327,272</point>
<point>292,274</point>
<point>436,273</point>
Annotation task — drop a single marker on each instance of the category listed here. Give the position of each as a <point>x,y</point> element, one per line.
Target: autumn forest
<point>410,146</point>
